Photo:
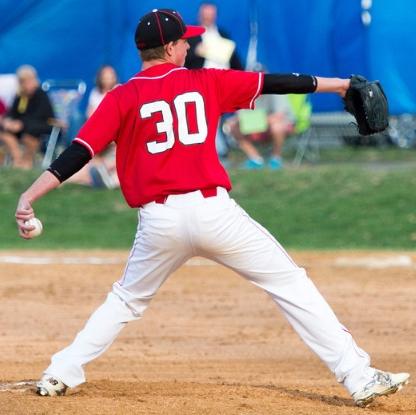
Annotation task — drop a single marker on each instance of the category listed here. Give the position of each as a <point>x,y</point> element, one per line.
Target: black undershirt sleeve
<point>288,84</point>
<point>73,159</point>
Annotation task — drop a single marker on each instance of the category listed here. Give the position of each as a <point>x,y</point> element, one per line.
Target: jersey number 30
<point>165,126</point>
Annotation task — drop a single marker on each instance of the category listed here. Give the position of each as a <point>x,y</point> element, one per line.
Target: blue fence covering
<point>72,38</point>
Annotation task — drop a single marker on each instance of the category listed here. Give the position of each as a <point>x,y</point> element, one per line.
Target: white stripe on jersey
<point>160,76</point>
<point>85,144</point>
<point>258,90</point>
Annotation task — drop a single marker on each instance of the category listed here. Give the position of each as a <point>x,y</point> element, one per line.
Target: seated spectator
<point>27,120</point>
<point>101,170</point>
<point>271,119</point>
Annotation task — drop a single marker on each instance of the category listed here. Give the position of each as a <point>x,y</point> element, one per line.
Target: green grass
<point>350,154</point>
<point>73,216</point>
<point>321,207</point>
<point>339,154</point>
<point>333,207</point>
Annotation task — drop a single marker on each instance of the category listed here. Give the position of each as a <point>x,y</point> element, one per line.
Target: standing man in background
<point>213,49</point>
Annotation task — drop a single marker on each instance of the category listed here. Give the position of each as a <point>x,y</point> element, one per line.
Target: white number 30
<point>166,125</point>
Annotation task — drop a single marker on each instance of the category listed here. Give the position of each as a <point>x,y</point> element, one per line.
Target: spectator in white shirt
<point>105,81</point>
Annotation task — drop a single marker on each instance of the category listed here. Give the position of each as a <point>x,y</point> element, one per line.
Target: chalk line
<point>81,260</point>
<point>390,261</point>
<point>22,386</point>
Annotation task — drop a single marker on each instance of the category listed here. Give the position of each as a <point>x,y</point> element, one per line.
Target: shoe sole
<point>363,403</point>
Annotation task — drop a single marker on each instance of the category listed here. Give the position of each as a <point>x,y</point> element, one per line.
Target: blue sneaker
<point>275,163</point>
<point>251,164</point>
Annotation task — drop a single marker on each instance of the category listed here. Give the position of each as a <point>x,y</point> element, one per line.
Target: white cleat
<point>50,386</point>
<point>382,384</point>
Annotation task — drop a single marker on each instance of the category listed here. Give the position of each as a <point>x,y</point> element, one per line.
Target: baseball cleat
<point>50,386</point>
<point>382,384</point>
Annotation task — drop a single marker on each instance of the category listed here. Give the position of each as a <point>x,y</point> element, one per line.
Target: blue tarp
<point>70,39</point>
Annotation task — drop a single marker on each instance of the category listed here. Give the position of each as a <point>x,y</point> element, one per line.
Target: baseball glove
<point>367,102</point>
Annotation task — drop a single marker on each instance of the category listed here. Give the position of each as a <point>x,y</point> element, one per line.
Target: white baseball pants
<point>216,228</point>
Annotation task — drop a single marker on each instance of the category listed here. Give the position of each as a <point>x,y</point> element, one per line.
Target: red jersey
<point>164,122</point>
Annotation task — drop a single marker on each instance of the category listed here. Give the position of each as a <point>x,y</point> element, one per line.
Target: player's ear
<point>169,48</point>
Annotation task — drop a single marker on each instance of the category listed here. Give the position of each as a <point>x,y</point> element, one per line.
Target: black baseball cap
<point>162,26</point>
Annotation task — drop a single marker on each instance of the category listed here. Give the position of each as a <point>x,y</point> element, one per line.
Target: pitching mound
<point>210,342</point>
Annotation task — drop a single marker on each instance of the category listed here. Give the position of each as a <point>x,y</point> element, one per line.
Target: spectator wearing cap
<point>27,120</point>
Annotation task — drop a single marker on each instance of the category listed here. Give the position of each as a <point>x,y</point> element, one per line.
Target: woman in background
<point>105,80</point>
<point>101,171</point>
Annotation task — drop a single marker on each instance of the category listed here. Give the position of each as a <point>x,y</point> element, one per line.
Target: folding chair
<point>65,96</point>
<point>306,147</point>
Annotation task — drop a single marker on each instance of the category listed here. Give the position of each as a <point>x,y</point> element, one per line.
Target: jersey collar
<point>158,70</point>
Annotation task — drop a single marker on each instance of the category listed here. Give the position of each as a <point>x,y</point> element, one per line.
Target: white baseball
<point>38,227</point>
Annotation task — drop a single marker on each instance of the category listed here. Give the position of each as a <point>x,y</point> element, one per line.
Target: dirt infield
<point>210,343</point>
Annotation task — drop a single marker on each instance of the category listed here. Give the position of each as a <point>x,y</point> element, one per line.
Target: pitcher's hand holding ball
<point>28,226</point>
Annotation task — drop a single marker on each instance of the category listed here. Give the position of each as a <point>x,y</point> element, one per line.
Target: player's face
<point>180,50</point>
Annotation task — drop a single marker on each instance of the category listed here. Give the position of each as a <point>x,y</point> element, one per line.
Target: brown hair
<point>154,53</point>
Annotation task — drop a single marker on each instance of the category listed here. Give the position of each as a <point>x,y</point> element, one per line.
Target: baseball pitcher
<point>164,121</point>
